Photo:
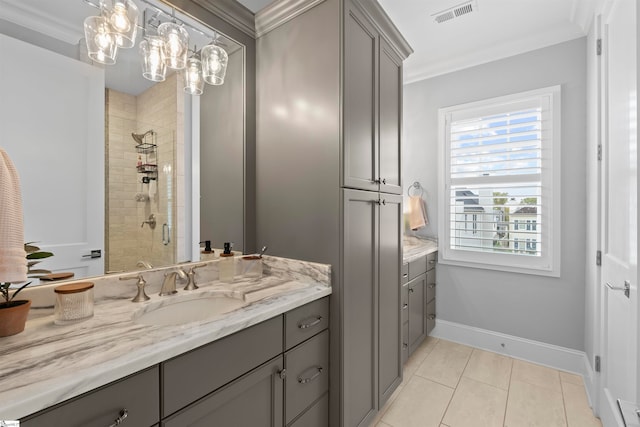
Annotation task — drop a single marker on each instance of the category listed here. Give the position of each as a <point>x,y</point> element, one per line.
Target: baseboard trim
<point>553,356</point>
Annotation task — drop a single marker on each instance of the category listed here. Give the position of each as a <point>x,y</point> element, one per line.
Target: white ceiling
<point>495,29</point>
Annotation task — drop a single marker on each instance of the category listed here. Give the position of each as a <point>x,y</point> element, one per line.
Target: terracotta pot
<point>13,317</point>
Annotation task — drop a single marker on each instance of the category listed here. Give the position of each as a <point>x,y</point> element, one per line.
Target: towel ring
<point>416,187</point>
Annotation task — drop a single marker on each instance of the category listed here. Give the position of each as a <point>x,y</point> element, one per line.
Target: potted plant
<point>13,313</point>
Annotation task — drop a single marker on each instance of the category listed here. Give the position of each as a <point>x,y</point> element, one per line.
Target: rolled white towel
<point>13,264</point>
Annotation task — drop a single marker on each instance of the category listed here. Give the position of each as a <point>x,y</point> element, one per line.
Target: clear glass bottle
<point>227,268</point>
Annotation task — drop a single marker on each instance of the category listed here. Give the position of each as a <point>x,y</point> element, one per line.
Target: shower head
<point>139,137</point>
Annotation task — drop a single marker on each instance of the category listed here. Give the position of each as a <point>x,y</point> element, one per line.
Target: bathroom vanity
<point>418,290</point>
<point>270,355</point>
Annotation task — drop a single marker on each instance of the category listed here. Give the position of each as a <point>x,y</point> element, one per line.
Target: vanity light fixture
<point>102,46</point>
<point>176,44</point>
<point>122,16</point>
<point>154,66</point>
<point>192,76</point>
<point>165,45</point>
<point>214,64</point>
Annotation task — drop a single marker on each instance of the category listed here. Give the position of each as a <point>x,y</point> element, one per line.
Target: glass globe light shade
<point>176,44</point>
<point>122,16</point>
<point>192,75</point>
<point>102,47</point>
<point>154,67</point>
<point>214,64</point>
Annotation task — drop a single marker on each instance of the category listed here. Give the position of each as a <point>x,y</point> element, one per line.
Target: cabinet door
<point>417,311</point>
<point>389,315</point>
<point>360,169</point>
<point>390,150</point>
<point>359,307</point>
<point>253,400</point>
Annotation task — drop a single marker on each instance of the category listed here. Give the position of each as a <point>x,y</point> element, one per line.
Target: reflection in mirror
<point>103,153</point>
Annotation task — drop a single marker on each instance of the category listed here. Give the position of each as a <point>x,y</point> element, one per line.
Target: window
<point>500,162</point>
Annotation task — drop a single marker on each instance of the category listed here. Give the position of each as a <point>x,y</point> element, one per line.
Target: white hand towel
<point>417,213</point>
<point>13,264</point>
<point>153,189</point>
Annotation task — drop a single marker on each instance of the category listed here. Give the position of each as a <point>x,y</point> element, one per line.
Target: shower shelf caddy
<point>149,165</point>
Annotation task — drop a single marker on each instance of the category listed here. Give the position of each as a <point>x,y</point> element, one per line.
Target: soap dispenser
<point>227,265</point>
<point>207,253</point>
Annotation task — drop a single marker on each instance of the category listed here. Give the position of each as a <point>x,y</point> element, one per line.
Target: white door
<point>619,309</point>
<point>52,127</point>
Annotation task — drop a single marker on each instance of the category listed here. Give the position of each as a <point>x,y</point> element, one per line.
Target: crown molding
<point>20,14</point>
<point>385,25</point>
<point>277,13</point>
<point>233,12</point>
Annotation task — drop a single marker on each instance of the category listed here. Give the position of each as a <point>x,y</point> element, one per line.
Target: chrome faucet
<point>192,278</point>
<point>145,264</point>
<point>169,284</point>
<point>141,283</point>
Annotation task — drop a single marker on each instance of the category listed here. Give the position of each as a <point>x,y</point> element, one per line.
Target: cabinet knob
<point>411,290</point>
<point>121,417</point>
<point>431,316</point>
<point>405,345</point>
<point>282,374</point>
<point>404,306</point>
<point>432,285</point>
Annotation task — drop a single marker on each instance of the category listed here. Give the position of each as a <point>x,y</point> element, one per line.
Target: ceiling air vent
<point>455,11</point>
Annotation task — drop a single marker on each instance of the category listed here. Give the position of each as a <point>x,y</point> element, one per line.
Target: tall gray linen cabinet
<point>328,169</point>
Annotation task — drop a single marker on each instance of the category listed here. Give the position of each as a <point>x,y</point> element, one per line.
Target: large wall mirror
<point>118,171</point>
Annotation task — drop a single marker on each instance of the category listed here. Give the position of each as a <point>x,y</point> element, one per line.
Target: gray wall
<point>550,310</point>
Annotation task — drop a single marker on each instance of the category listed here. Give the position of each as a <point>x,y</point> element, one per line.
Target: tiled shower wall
<point>159,108</point>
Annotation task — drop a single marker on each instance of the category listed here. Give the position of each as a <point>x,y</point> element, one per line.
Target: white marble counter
<point>415,247</point>
<point>47,363</point>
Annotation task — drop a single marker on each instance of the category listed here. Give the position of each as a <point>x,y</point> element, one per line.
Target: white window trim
<point>549,263</point>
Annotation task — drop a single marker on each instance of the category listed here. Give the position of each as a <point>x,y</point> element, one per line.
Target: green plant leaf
<point>39,255</point>
<point>18,290</point>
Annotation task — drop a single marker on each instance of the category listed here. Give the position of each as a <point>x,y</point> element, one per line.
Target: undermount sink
<point>171,313</point>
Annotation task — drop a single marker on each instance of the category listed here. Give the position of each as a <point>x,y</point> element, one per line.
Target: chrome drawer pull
<point>312,377</point>
<point>121,417</point>
<point>404,306</point>
<point>309,325</point>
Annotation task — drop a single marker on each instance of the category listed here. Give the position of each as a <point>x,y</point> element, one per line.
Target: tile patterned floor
<point>452,385</point>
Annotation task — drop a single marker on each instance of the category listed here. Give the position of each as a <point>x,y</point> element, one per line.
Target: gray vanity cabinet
<point>329,112</point>
<point>136,394</point>
<point>372,113</point>
<point>418,305</point>
<point>417,311</point>
<point>372,358</point>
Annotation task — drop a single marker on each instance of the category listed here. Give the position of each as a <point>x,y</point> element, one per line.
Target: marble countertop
<point>415,247</point>
<point>48,363</point>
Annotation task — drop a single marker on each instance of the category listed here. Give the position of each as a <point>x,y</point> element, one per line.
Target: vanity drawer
<point>307,374</point>
<point>405,274</point>
<point>306,321</point>
<point>138,394</point>
<point>417,267</point>
<point>431,285</point>
<point>431,316</point>
<point>404,303</point>
<point>432,259</point>
<point>194,374</point>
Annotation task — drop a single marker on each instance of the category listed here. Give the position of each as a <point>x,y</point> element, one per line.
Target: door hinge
<point>597,367</point>
<point>599,47</point>
<point>598,258</point>
<point>599,151</point>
